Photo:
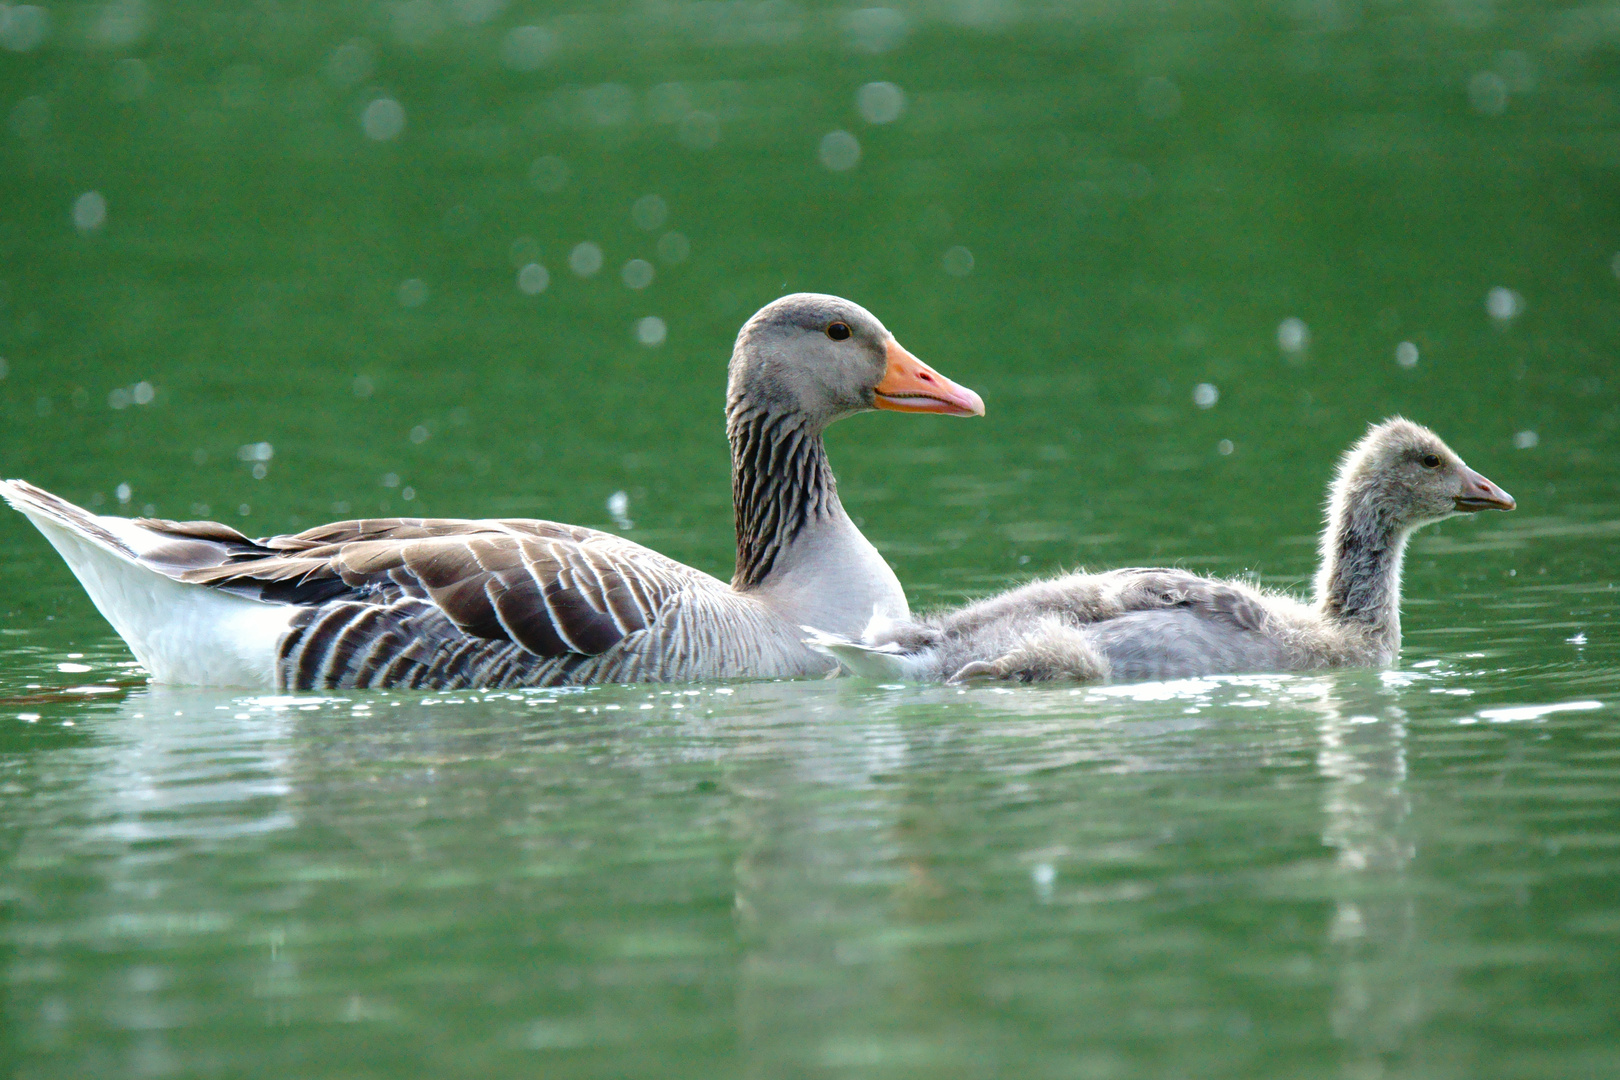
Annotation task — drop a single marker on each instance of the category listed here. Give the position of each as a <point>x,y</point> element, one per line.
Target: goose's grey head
<point>824,357</point>
<point>1410,477</point>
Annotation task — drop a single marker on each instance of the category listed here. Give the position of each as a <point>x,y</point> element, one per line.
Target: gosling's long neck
<point>797,550</point>
<point>1359,581</point>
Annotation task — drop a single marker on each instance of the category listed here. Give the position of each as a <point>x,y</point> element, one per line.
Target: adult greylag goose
<point>1157,623</point>
<point>440,604</point>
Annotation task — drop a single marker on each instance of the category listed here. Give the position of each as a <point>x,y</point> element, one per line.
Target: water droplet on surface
<point>1043,875</point>
<point>260,471</point>
<point>651,331</point>
<point>1205,395</point>
<point>407,493</point>
<point>527,48</point>
<point>1503,304</point>
<point>89,211</point>
<point>383,120</point>
<point>1526,440</point>
<point>363,386</point>
<point>124,493</point>
<point>1224,447</point>
<point>143,392</point>
<point>839,151</point>
<point>1406,354</point>
<point>390,480</point>
<point>1293,336</point>
<point>618,508</point>
<point>585,259</point>
<point>674,247</point>
<point>880,102</point>
<point>259,451</point>
<point>419,435</point>
<point>118,398</point>
<point>649,212</point>
<point>549,174</point>
<point>958,261</point>
<point>533,279</point>
<point>637,273</point>
<point>413,293</point>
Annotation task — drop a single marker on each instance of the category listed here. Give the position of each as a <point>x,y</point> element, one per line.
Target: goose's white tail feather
<point>181,633</point>
<point>862,660</point>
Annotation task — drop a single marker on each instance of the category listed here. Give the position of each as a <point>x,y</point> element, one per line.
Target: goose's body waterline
<point>447,603</point>
<point>1158,623</point>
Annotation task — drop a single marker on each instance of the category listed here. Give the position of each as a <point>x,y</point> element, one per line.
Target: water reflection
<point>191,765</point>
<point>764,879</point>
<point>1380,992</point>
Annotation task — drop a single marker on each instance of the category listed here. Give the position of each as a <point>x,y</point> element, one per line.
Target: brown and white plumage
<point>439,603</point>
<point>1161,623</point>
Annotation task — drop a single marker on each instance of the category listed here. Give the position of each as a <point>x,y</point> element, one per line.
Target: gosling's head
<point>824,357</point>
<point>1406,476</point>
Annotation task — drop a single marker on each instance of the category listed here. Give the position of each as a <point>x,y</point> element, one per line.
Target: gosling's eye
<point>838,331</point>
<point>1431,461</point>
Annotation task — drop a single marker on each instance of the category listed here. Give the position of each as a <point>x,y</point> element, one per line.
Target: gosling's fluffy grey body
<point>1138,624</point>
<point>1125,625</point>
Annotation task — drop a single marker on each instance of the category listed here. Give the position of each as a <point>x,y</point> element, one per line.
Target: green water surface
<point>279,263</point>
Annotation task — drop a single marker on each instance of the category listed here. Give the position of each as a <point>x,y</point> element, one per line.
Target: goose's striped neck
<point>780,482</point>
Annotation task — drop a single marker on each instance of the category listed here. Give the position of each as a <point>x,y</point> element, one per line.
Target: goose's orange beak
<point>909,385</point>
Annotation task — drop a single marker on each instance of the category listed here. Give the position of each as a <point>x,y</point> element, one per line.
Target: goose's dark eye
<point>838,331</point>
<point>1431,461</point>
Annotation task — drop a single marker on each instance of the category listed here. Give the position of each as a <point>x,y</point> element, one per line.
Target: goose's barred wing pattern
<point>421,602</point>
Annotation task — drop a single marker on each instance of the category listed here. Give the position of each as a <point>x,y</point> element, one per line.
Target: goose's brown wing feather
<point>553,590</point>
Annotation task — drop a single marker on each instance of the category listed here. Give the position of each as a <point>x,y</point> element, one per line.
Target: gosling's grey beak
<point>1479,493</point>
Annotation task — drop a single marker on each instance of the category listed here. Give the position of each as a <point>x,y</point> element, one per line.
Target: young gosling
<point>1137,624</point>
